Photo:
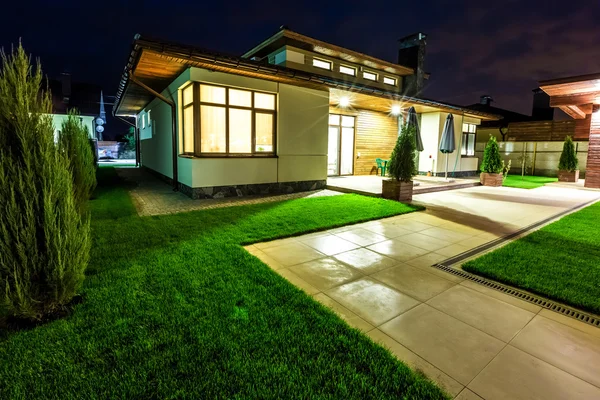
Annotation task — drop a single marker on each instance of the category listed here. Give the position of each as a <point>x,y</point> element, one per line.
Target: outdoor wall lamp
<point>344,101</point>
<point>396,109</point>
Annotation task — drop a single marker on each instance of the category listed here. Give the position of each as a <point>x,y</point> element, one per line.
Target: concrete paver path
<point>475,342</point>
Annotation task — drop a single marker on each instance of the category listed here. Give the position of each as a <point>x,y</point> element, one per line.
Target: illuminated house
<point>280,118</point>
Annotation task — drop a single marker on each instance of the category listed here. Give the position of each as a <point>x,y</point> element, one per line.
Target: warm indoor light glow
<point>344,101</point>
<point>396,109</point>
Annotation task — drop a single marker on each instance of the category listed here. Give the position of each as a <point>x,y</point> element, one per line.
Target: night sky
<point>500,48</point>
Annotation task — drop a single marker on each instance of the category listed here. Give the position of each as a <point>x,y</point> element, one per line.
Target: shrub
<point>568,159</point>
<point>73,142</point>
<point>44,241</point>
<point>492,162</point>
<point>403,165</point>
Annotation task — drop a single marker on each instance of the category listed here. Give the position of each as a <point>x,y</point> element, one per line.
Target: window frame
<point>330,68</point>
<point>197,135</point>
<point>394,80</point>
<point>353,69</point>
<point>375,74</point>
<point>465,139</point>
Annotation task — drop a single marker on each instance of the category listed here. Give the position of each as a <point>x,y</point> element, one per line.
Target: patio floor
<point>473,341</point>
<point>370,185</point>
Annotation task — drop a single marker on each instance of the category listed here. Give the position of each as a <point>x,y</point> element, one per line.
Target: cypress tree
<point>44,241</point>
<point>492,162</point>
<point>403,165</point>
<point>568,159</point>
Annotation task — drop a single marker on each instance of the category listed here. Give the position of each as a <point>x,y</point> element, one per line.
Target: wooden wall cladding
<point>592,174</point>
<point>376,135</point>
<point>542,131</point>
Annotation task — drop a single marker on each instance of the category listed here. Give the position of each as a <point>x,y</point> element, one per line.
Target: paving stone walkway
<point>152,196</point>
<point>475,342</point>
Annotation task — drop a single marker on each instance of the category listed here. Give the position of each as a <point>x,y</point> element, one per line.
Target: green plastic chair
<point>380,165</point>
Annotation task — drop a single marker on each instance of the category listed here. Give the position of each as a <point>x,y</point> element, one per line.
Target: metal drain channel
<point>446,266</point>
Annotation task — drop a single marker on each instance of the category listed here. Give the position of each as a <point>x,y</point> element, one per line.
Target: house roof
<point>84,97</point>
<point>157,63</point>
<point>572,85</point>
<point>287,37</point>
<point>507,116</point>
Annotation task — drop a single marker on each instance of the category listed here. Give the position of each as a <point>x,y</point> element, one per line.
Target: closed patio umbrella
<point>414,122</point>
<point>447,143</point>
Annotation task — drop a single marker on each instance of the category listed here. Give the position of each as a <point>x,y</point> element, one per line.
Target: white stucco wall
<point>302,118</point>
<point>88,123</point>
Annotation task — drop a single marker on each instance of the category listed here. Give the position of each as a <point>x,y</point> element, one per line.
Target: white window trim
<point>371,73</point>
<point>353,69</point>
<point>320,60</point>
<point>149,119</point>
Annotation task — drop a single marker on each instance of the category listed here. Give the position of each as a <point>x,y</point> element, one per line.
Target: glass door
<point>340,153</point>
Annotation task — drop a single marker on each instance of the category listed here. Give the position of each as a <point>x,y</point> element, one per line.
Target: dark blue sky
<point>499,48</point>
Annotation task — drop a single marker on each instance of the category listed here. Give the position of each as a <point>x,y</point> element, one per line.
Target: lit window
<point>321,64</point>
<point>229,121</point>
<point>370,75</point>
<point>347,70</point>
<point>389,81</point>
<point>468,140</point>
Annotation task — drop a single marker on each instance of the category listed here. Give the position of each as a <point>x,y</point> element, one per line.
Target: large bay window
<point>222,121</point>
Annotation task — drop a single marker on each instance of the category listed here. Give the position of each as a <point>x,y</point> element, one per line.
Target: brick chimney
<point>486,100</point>
<point>540,109</point>
<point>411,53</point>
<point>65,79</point>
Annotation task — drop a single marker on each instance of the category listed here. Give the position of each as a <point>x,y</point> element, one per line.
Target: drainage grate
<point>537,300</point>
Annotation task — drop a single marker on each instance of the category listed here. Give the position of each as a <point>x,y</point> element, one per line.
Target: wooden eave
<point>574,95</point>
<point>157,64</point>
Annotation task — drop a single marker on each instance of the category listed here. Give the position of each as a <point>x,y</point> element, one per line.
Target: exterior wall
<point>541,158</point>
<point>433,160</point>
<point>291,57</point>
<point>375,136</point>
<point>88,123</point>
<point>301,160</point>
<point>593,159</point>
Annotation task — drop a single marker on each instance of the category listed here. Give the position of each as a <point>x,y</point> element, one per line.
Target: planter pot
<point>491,179</point>
<point>397,190</point>
<point>568,176</point>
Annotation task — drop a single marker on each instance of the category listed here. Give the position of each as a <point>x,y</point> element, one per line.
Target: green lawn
<point>560,261</point>
<point>174,308</point>
<point>527,182</point>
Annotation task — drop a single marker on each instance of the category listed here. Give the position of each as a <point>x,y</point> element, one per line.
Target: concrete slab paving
<point>475,342</point>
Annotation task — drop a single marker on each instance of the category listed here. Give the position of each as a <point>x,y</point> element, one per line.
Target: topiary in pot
<point>44,241</point>
<point>402,167</point>
<point>568,165</point>
<point>492,164</point>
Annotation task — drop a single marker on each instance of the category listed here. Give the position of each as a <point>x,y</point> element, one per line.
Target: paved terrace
<point>475,342</point>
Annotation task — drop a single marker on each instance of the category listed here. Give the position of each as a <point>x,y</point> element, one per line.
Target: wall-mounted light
<point>344,101</point>
<point>396,109</point>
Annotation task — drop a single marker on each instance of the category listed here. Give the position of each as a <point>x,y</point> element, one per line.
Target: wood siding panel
<point>592,174</point>
<point>544,131</point>
<point>376,135</point>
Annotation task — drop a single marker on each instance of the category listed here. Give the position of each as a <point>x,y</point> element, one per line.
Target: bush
<point>403,165</point>
<point>568,159</point>
<point>44,241</point>
<point>74,143</point>
<point>492,162</point>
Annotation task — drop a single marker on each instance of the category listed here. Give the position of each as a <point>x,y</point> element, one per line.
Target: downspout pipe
<point>173,124</point>
<point>137,139</point>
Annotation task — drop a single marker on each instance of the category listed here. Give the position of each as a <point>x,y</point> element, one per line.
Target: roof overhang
<point>157,64</point>
<point>575,95</point>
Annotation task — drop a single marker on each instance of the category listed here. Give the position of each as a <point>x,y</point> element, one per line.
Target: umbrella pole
<point>446,166</point>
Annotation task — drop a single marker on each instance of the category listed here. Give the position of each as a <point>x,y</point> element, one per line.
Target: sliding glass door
<point>340,157</point>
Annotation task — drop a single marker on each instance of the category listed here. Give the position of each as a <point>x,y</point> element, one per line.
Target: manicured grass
<point>560,261</point>
<point>527,182</point>
<point>174,307</point>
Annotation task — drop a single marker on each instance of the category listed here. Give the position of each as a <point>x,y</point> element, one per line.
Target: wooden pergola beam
<point>573,99</point>
<point>573,111</point>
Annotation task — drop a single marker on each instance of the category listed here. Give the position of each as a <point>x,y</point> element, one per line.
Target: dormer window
<point>321,64</point>
<point>348,70</point>
<point>389,81</point>
<point>371,76</point>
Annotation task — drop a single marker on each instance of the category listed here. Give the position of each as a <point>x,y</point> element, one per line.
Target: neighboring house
<point>282,117</point>
<point>67,95</point>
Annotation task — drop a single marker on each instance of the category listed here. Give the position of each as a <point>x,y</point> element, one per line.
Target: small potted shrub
<point>492,165</point>
<point>568,166</point>
<point>402,167</point>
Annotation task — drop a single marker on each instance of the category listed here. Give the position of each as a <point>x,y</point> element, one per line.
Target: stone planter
<point>568,176</point>
<point>397,190</point>
<point>491,179</point>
